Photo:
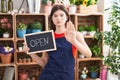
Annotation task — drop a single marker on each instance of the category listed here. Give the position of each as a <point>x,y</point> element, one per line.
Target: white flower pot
<point>72,9</point>
<point>6,35</point>
<point>92,33</point>
<point>81,56</point>
<point>20,48</point>
<point>83,33</point>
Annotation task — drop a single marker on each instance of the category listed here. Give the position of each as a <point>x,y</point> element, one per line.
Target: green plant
<point>94,68</point>
<point>81,28</point>
<point>20,44</point>
<point>98,36</point>
<point>21,26</point>
<point>112,39</point>
<point>45,1</point>
<point>96,50</point>
<point>72,2</point>
<point>85,2</point>
<point>36,25</point>
<point>87,28</point>
<point>92,28</point>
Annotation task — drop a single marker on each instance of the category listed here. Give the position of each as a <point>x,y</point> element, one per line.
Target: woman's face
<point>59,18</point>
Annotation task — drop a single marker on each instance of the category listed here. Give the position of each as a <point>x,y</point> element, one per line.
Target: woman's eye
<point>55,16</point>
<point>61,15</point>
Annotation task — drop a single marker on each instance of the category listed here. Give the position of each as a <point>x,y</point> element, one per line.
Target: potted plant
<point>80,55</point>
<point>86,6</point>
<point>6,54</point>
<point>93,30</point>
<point>36,27</point>
<point>94,70</point>
<point>84,72</point>
<point>96,50</point>
<point>82,30</point>
<point>20,46</point>
<point>72,8</point>
<point>48,7</point>
<point>5,26</point>
<point>112,40</point>
<point>21,30</point>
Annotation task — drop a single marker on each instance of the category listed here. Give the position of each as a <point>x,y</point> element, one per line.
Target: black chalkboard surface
<point>40,42</point>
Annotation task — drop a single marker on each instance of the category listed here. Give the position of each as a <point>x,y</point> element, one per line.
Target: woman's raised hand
<point>70,33</point>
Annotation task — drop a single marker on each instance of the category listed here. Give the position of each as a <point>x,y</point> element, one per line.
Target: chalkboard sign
<point>40,42</point>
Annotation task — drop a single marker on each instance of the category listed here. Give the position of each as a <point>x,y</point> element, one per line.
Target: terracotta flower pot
<point>6,59</point>
<point>23,76</point>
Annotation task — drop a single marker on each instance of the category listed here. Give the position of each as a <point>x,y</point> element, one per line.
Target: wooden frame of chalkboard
<point>40,42</point>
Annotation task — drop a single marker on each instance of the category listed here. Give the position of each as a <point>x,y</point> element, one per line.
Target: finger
<point>70,26</point>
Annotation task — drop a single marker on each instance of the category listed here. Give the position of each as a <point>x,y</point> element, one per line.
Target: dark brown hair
<point>54,9</point>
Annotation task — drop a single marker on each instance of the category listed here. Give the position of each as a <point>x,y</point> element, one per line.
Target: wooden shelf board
<point>40,14</point>
<point>89,59</point>
<point>6,39</point>
<point>88,37</point>
<point>88,79</point>
<point>19,39</point>
<point>32,63</point>
<point>89,14</point>
<point>10,64</point>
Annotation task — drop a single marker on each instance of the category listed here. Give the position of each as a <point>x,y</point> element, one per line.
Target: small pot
<point>6,35</point>
<point>6,59</point>
<point>23,76</point>
<point>20,48</point>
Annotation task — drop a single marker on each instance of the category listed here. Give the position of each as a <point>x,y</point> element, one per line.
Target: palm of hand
<point>70,33</point>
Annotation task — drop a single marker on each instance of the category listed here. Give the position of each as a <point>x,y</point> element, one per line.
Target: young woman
<point>59,64</point>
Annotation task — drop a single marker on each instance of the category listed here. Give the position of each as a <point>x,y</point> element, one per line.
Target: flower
<point>85,2</point>
<point>6,50</point>
<point>4,24</point>
<point>85,70</point>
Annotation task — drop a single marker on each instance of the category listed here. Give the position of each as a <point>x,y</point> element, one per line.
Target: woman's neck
<point>60,29</point>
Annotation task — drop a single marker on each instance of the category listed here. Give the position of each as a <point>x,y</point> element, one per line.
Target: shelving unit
<point>20,55</point>
<point>83,20</point>
<point>77,19</point>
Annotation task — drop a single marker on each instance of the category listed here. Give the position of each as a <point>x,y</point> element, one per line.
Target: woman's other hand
<point>70,33</point>
<point>25,47</point>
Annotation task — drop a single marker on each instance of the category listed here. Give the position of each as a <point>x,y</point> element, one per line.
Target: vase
<point>36,30</point>
<point>83,76</point>
<point>6,35</point>
<point>72,9</point>
<point>37,6</point>
<point>3,6</point>
<point>31,6</point>
<point>10,5</point>
<point>93,75</point>
<point>118,74</point>
<point>103,73</point>
<point>21,33</point>
<point>6,59</point>
<point>23,76</point>
<point>48,7</point>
